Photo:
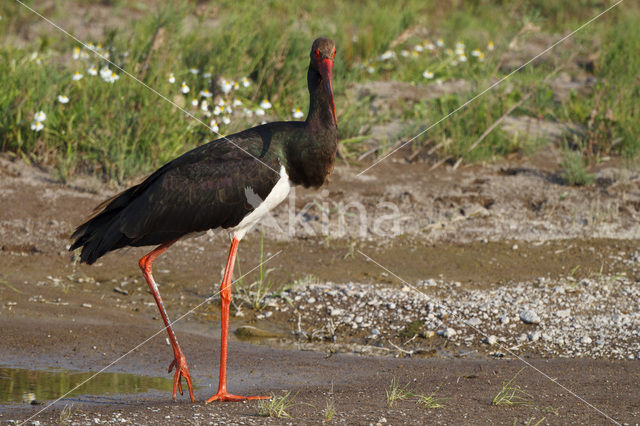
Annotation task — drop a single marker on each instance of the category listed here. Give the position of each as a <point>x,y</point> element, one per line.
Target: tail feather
<point>100,233</point>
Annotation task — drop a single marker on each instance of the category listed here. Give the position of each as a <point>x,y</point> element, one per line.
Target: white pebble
<point>529,317</point>
<point>447,332</point>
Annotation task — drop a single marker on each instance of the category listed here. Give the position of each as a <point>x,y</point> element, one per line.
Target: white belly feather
<point>261,207</point>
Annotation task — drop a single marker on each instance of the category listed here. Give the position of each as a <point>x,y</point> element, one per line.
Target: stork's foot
<point>225,396</point>
<point>182,370</point>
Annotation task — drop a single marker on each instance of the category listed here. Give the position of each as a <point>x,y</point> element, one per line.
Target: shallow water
<point>19,385</point>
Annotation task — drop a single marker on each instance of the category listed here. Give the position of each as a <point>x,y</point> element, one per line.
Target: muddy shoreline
<point>575,252</point>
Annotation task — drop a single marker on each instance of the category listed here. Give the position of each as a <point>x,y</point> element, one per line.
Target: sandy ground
<point>455,226</point>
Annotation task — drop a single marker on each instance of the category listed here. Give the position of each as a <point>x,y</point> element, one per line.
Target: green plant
<point>431,401</point>
<point>329,412</point>
<point>574,169</point>
<point>397,393</point>
<point>511,394</point>
<point>255,293</point>
<point>277,406</point>
<point>65,415</point>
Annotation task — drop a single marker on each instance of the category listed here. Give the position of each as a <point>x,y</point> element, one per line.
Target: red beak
<point>326,70</point>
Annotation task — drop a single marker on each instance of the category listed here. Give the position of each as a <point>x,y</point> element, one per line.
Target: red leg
<point>179,361</point>
<point>225,296</point>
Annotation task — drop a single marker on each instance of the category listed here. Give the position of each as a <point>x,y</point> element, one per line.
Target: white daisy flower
<point>371,70</point>
<point>404,53</point>
<point>430,46</point>
<point>111,77</point>
<point>184,88</point>
<point>214,126</point>
<point>76,53</point>
<point>248,112</point>
<point>235,85</point>
<point>245,82</point>
<point>226,86</point>
<point>194,102</point>
<point>440,42</point>
<point>427,74</point>
<point>172,78</point>
<point>228,109</point>
<point>63,99</point>
<point>259,111</point>
<point>194,71</point>
<point>459,45</point>
<point>462,58</point>
<point>265,104</point>
<point>226,119</point>
<point>37,126</point>
<point>91,46</point>
<point>206,93</point>
<point>76,76</point>
<point>105,73</point>
<point>206,75</point>
<point>222,102</point>
<point>217,110</point>
<point>490,46</point>
<point>93,70</point>
<point>39,116</point>
<point>476,53</point>
<point>204,106</point>
<point>297,113</point>
<point>418,48</point>
<point>237,102</point>
<point>387,55</point>
<point>459,51</point>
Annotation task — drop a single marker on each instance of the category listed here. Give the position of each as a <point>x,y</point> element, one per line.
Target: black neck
<point>320,101</point>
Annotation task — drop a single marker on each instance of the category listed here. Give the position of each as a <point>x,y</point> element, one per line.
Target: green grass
<point>431,401</point>
<point>396,393</point>
<point>120,130</point>
<point>329,411</point>
<point>574,169</point>
<point>277,406</point>
<point>254,295</point>
<point>512,394</point>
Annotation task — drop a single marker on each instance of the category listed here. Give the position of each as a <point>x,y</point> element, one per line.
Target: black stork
<point>215,186</point>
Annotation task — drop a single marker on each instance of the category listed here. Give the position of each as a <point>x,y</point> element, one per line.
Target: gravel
<point>557,317</point>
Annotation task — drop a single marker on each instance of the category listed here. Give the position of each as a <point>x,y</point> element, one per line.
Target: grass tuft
<point>277,406</point>
<point>512,394</point>
<point>574,169</point>
<point>431,401</point>
<point>330,411</point>
<point>396,393</point>
<point>256,293</point>
<point>65,415</point>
